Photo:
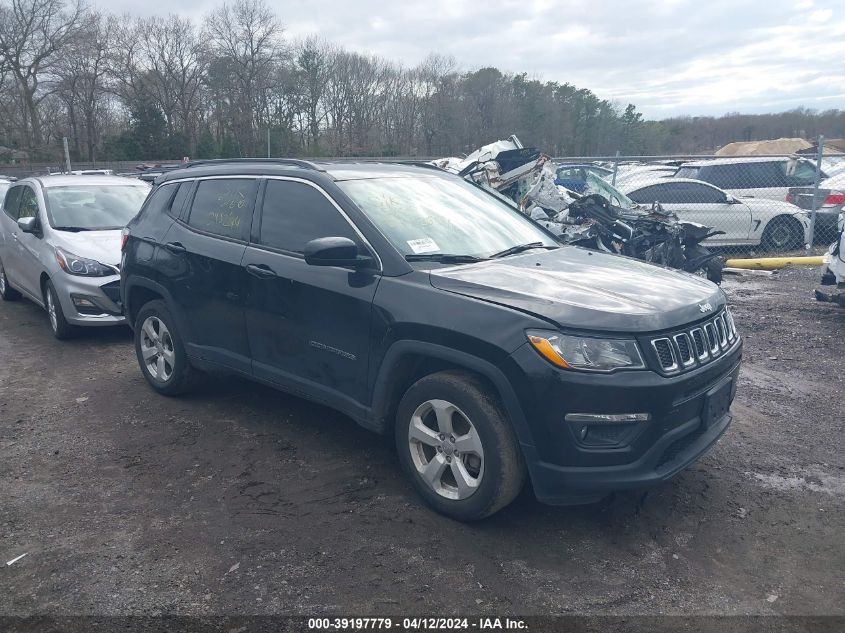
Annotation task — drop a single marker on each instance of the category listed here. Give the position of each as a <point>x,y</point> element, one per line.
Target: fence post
<point>67,154</point>
<point>816,193</point>
<point>615,168</point>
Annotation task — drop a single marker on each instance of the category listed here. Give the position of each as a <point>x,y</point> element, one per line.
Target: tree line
<point>130,88</point>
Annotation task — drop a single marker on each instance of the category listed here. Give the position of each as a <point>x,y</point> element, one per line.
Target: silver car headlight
<point>82,266</point>
<point>586,353</point>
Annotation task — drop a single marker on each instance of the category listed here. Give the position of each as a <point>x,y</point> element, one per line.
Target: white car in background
<point>776,225</point>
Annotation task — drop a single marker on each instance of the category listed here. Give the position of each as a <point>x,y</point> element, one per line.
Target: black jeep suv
<point>423,306</point>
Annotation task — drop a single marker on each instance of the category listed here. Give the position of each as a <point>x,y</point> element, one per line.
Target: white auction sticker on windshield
<point>423,245</point>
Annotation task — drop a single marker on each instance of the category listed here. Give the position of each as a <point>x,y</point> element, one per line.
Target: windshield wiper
<point>446,258</point>
<point>72,229</point>
<point>519,248</point>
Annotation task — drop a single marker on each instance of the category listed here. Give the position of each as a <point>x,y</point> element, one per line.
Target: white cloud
<point>666,56</point>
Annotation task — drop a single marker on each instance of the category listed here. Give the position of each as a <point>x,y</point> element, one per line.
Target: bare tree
<point>80,79</point>
<point>33,34</point>
<point>312,73</point>
<point>245,39</point>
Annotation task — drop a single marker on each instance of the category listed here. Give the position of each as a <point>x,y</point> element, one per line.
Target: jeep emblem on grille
<point>705,307</point>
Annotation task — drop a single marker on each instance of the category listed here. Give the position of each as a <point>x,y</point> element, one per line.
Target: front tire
<point>160,350</point>
<point>457,446</point>
<point>712,269</point>
<point>62,330</point>
<point>783,234</point>
<point>7,293</point>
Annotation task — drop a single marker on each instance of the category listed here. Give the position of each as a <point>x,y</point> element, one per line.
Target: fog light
<point>607,418</point>
<point>85,306</point>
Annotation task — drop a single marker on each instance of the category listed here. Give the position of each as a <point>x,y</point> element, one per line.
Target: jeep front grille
<point>697,345</point>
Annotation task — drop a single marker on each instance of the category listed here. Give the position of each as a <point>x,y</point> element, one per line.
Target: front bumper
<point>689,412</point>
<point>90,301</point>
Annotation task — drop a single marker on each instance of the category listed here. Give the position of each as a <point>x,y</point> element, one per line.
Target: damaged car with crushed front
<point>426,308</point>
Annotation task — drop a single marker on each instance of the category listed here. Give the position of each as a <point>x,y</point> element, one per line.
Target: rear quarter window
<point>158,201</point>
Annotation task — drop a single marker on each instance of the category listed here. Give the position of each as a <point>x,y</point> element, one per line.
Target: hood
<point>103,246</point>
<point>576,288</point>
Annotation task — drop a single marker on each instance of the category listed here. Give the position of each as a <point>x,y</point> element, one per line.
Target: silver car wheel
<point>446,449</point>
<point>157,349</point>
<point>51,310</point>
<point>781,235</point>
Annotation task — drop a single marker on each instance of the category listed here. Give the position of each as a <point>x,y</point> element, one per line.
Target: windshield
<point>431,215</point>
<point>606,190</point>
<point>93,207</point>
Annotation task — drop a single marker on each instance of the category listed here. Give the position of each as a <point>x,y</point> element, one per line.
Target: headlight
<point>586,353</point>
<point>82,266</point>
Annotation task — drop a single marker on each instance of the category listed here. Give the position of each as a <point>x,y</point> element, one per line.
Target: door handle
<point>261,271</point>
<point>175,247</point>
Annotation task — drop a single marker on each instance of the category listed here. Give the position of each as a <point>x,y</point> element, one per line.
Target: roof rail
<point>305,164</point>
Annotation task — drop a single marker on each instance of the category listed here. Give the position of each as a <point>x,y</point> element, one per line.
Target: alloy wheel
<point>446,449</point>
<point>51,310</point>
<point>157,349</point>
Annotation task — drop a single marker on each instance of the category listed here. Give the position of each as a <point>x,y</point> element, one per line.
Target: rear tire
<point>62,330</point>
<point>7,293</point>
<point>458,447</point>
<point>783,234</point>
<point>161,352</point>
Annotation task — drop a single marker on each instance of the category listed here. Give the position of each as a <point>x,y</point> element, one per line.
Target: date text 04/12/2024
<point>416,624</point>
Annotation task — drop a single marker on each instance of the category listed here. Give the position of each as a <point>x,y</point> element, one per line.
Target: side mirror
<point>29,225</point>
<point>335,251</point>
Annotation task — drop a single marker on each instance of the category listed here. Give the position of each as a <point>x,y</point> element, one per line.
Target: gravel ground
<point>240,499</point>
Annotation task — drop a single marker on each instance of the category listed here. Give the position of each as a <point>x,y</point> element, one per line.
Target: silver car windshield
<point>93,207</point>
<point>432,215</point>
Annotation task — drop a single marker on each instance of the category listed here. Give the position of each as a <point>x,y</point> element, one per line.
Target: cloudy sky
<point>669,57</point>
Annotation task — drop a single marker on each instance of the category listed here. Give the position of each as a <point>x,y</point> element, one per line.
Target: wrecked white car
<point>602,218</point>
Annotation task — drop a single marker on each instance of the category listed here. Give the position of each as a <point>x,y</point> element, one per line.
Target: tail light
<point>124,236</point>
<point>834,199</point>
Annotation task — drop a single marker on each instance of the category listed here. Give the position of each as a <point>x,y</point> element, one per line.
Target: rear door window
<point>295,213</point>
<point>12,202</point>
<point>723,176</point>
<point>693,193</point>
<point>224,207</point>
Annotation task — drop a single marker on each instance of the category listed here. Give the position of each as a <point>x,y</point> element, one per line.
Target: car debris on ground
<point>833,269</point>
<point>526,177</point>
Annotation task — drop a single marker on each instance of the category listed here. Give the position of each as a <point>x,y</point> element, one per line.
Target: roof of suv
<point>335,170</point>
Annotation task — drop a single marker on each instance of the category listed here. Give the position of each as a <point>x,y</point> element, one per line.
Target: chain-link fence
<point>775,203</point>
